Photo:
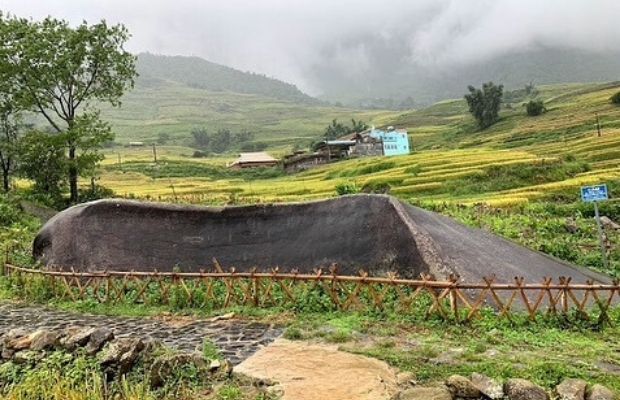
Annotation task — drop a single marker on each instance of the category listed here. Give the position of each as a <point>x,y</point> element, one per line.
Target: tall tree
<point>65,73</point>
<point>484,104</point>
<point>10,108</point>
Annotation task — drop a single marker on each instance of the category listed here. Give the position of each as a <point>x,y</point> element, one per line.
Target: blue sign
<point>594,193</point>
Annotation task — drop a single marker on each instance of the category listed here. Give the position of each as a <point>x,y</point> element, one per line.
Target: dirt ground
<point>308,371</point>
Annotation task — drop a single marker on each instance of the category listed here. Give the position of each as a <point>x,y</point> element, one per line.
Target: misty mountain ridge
<point>394,82</point>
<point>402,84</point>
<point>199,73</point>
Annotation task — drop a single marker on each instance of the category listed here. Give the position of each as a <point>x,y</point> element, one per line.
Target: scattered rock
<point>571,389</point>
<point>76,337</point>
<point>487,386</point>
<point>28,357</point>
<point>600,392</point>
<point>448,357</point>
<point>126,349</point>
<point>521,389</point>
<point>609,223</point>
<point>128,359</point>
<point>215,365</point>
<point>44,340</point>
<point>164,366</point>
<point>222,317</point>
<point>275,391</point>
<point>571,226</point>
<point>406,379</point>
<point>98,338</point>
<point>426,393</point>
<point>462,387</point>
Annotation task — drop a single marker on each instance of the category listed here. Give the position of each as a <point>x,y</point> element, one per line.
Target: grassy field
<point>175,109</point>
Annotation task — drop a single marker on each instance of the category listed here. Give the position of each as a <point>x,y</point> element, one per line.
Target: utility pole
<point>601,236</point>
<point>154,153</point>
<point>598,125</point>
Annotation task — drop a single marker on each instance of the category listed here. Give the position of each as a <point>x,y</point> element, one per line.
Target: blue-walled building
<point>395,141</point>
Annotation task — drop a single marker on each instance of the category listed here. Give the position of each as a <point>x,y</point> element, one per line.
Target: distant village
<point>371,142</point>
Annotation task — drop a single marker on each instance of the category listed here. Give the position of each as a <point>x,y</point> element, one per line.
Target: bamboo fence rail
<point>448,298</point>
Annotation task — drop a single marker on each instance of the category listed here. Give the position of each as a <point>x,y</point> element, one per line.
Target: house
<point>395,141</point>
<point>253,160</point>
<point>301,160</point>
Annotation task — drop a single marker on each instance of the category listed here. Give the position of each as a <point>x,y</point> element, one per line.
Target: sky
<point>287,39</point>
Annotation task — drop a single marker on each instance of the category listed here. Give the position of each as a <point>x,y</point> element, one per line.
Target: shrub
<point>199,154</point>
<point>535,107</point>
<point>346,188</point>
<point>615,99</point>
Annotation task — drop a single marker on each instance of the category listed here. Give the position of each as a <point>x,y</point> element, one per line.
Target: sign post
<point>594,194</point>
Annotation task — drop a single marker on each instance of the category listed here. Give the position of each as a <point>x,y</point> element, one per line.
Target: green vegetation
<point>615,99</point>
<point>55,70</point>
<point>484,103</point>
<point>535,108</point>
<point>337,129</point>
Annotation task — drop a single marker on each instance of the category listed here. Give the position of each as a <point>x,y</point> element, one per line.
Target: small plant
<point>535,107</point>
<point>347,188</point>
<point>615,99</point>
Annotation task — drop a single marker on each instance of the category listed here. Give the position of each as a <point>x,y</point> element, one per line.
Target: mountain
<point>393,81</point>
<point>199,73</point>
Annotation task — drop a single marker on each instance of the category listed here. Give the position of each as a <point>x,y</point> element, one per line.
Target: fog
<point>291,39</point>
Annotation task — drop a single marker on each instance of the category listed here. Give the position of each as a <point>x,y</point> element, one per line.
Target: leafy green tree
<point>221,140</point>
<point>10,108</point>
<point>337,129</point>
<point>484,104</point>
<point>42,159</point>
<point>535,107</point>
<point>201,138</point>
<point>9,131</point>
<point>65,72</point>
<point>243,136</point>
<point>615,99</point>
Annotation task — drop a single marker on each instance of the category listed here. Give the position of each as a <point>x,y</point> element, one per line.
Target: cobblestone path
<point>236,339</point>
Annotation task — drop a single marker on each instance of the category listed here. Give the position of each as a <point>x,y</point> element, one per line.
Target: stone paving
<point>236,339</point>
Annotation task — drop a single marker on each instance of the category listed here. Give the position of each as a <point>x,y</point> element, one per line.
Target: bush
<point>615,99</point>
<point>346,188</point>
<point>535,107</point>
<point>199,154</point>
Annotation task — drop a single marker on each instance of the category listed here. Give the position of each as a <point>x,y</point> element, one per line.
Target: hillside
<point>199,73</point>
<point>453,161</point>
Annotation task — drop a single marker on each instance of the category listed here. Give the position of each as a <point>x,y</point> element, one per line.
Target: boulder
<point>490,388</point>
<point>16,340</point>
<point>426,393</point>
<point>609,223</point>
<point>163,367</point>
<point>76,337</point>
<point>28,357</point>
<point>125,349</point>
<point>521,389</point>
<point>98,338</point>
<point>571,389</point>
<point>462,387</point>
<point>44,340</point>
<point>600,392</point>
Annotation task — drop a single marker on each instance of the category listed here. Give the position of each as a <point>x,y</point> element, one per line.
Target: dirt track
<point>373,232</point>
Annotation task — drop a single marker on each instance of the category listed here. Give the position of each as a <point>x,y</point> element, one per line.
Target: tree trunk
<point>73,176</point>
<point>6,181</point>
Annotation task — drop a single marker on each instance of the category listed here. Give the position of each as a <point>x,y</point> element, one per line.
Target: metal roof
<point>259,156</point>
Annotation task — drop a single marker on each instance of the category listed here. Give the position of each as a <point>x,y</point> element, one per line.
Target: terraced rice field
<point>451,161</point>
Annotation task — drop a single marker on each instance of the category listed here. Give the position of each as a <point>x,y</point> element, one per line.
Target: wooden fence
<point>450,298</point>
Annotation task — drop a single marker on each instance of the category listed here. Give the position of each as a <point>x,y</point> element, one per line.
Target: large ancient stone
<point>376,232</point>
